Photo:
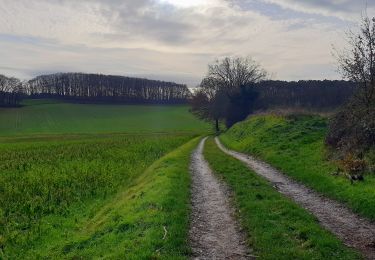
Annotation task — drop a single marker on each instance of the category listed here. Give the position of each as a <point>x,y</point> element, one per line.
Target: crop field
<point>95,180</point>
<point>48,185</point>
<point>295,145</point>
<point>46,117</point>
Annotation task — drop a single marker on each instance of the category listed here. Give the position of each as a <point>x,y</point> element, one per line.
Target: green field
<point>295,145</point>
<point>52,117</point>
<point>89,181</point>
<point>52,189</point>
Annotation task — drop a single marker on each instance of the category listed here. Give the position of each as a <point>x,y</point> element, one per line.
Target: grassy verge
<point>277,228</point>
<point>150,220</point>
<point>50,189</point>
<point>295,146</point>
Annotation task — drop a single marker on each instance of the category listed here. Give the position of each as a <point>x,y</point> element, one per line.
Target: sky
<point>175,40</point>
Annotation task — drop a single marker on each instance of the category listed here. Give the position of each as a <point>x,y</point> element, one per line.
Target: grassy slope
<point>295,146</point>
<point>51,117</point>
<point>43,182</point>
<point>131,225</point>
<point>277,228</point>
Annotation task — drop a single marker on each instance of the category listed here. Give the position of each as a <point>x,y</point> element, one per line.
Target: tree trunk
<point>217,125</point>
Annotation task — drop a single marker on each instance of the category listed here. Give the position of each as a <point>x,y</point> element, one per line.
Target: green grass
<point>74,184</point>
<point>277,228</point>
<point>295,145</point>
<point>54,188</point>
<point>52,117</point>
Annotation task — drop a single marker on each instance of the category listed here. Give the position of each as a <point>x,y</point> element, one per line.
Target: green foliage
<point>48,186</point>
<point>52,117</point>
<point>277,228</point>
<point>295,145</point>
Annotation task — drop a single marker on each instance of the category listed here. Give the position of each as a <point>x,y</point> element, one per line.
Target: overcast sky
<point>174,39</point>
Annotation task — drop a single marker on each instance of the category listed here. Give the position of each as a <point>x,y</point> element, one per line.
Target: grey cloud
<point>147,38</point>
<point>146,19</point>
<point>344,9</point>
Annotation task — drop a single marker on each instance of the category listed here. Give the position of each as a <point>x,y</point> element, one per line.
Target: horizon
<point>174,40</point>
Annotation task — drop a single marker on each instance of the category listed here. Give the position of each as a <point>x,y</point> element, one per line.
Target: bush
<point>352,130</point>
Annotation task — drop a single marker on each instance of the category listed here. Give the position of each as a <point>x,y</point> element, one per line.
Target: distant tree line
<point>10,91</point>
<point>81,87</point>
<point>311,94</point>
<point>106,88</point>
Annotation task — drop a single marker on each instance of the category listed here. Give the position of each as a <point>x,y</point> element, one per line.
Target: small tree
<point>226,93</point>
<point>358,64</point>
<point>352,129</point>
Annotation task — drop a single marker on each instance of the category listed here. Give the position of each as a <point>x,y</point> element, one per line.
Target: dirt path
<point>355,231</point>
<point>214,233</point>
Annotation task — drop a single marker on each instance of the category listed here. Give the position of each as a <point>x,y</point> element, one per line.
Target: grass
<point>277,228</point>
<point>74,184</point>
<point>41,117</point>
<point>52,188</point>
<point>132,225</point>
<point>295,145</point>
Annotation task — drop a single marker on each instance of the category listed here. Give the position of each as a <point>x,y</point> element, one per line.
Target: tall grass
<point>46,178</point>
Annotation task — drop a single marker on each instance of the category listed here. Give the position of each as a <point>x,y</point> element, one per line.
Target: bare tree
<point>358,64</point>
<point>233,73</point>
<point>225,81</point>
<point>352,130</point>
<point>10,91</point>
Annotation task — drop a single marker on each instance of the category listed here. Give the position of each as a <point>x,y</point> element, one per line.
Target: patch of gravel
<point>352,229</point>
<point>214,233</point>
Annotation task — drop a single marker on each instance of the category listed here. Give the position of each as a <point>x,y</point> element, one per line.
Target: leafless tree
<point>358,63</point>
<point>233,73</point>
<point>225,79</point>
<point>352,130</point>
<point>10,91</point>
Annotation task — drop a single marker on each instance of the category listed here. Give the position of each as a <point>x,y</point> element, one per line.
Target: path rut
<point>352,229</point>
<point>214,233</point>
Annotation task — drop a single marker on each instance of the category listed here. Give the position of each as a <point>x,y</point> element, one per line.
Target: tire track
<point>352,229</point>
<point>214,233</point>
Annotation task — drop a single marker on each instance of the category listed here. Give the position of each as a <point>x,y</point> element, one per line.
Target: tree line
<point>310,94</point>
<point>106,88</point>
<point>81,87</point>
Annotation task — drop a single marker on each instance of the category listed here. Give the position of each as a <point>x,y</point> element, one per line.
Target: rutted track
<point>214,233</point>
<point>353,230</point>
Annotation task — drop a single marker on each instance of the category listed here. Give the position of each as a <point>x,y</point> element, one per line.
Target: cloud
<point>163,39</point>
<point>343,9</point>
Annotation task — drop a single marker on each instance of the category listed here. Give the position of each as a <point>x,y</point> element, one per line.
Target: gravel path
<point>353,230</point>
<point>214,233</point>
